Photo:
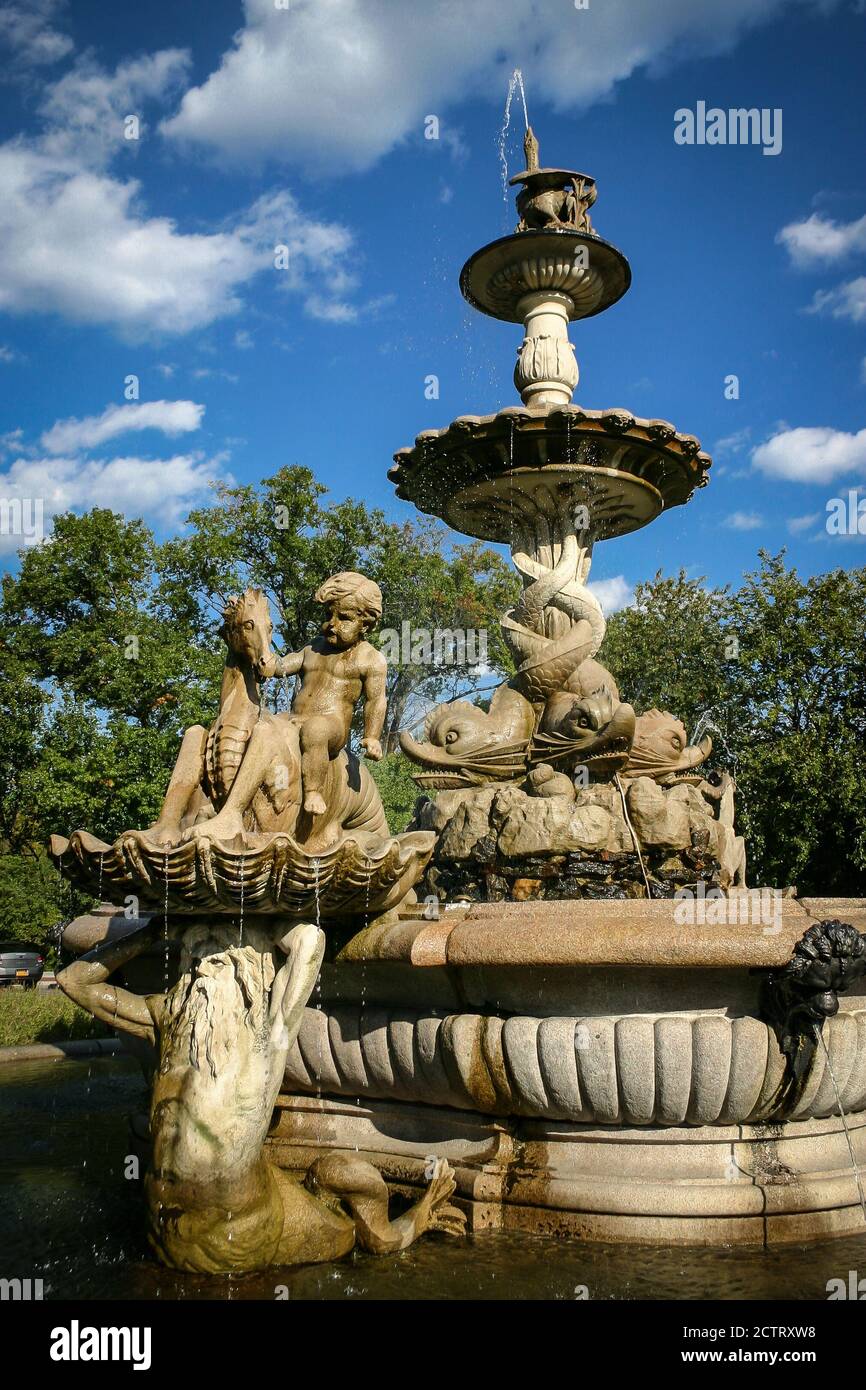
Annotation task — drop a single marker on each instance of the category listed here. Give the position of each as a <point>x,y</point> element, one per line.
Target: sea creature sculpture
<point>551,199</point>
<point>244,772</point>
<point>661,750</point>
<point>561,705</point>
<point>594,731</point>
<point>465,746</point>
<point>215,1201</point>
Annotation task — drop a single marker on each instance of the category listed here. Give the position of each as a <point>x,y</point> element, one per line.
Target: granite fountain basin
<point>589,1067</point>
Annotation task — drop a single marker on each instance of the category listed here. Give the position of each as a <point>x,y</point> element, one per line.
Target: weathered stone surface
<point>492,839</point>
<point>661,818</point>
<point>723,1184</point>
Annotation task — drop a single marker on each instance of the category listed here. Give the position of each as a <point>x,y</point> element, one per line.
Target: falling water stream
<point>165,918</point>
<point>844,1119</point>
<point>241,918</point>
<point>633,833</point>
<point>515,82</point>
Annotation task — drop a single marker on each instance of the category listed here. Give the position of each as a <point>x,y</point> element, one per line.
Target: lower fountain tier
<point>586,1067</point>
<point>716,1185</point>
<point>493,476</point>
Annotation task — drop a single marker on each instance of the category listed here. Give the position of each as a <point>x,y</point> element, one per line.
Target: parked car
<point>21,963</point>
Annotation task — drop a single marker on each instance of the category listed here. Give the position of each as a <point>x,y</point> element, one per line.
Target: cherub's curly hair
<point>365,593</point>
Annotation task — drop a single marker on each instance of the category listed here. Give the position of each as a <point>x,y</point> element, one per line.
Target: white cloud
<point>811,455</point>
<point>796,524</point>
<point>846,301</point>
<point>613,594</point>
<point>26,29</point>
<point>201,373</point>
<point>162,490</point>
<point>76,242</point>
<point>732,443</point>
<point>84,111</point>
<point>821,239</point>
<point>8,354</point>
<point>243,340</point>
<point>170,417</point>
<point>743,521</point>
<point>338,83</point>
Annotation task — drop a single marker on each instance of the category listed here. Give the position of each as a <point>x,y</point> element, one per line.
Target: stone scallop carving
<point>635,1070</point>
<point>349,879</point>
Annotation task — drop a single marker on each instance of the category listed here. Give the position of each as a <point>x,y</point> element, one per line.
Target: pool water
<point>70,1217</point>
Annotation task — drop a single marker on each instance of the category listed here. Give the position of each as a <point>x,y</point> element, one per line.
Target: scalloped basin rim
<point>617,419</point>
<point>347,880</point>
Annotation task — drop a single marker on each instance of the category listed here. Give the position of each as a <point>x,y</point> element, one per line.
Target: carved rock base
<point>497,843</point>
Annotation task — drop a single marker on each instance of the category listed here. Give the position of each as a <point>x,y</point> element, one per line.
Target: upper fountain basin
<point>587,271</point>
<point>488,475</point>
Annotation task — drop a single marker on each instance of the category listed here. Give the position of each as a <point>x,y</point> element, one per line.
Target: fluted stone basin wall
<point>634,1070</point>
<point>638,1020</point>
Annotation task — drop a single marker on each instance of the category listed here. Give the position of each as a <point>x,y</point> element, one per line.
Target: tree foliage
<point>779,670</point>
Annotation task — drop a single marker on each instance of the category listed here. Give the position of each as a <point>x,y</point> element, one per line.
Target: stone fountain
<point>551,479</point>
<point>587,1027</point>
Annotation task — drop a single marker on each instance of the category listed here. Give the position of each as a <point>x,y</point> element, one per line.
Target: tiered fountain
<point>555,1046</point>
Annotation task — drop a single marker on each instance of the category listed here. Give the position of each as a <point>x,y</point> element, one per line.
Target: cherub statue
<point>256,770</point>
<point>336,670</point>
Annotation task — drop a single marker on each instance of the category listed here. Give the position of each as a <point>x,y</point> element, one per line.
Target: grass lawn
<point>35,1015</point>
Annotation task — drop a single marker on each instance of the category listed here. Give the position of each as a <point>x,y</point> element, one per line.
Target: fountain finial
<point>530,150</point>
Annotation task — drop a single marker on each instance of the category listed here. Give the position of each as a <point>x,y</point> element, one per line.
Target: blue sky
<point>304,126</point>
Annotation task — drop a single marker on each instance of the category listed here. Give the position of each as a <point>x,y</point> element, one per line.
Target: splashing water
<point>316,864</point>
<point>514,81</point>
<point>706,725</point>
<point>844,1119</point>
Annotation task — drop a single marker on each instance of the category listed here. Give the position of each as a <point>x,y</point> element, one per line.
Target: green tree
<point>798,724</point>
<point>670,650</point>
<point>779,670</point>
<point>284,538</point>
